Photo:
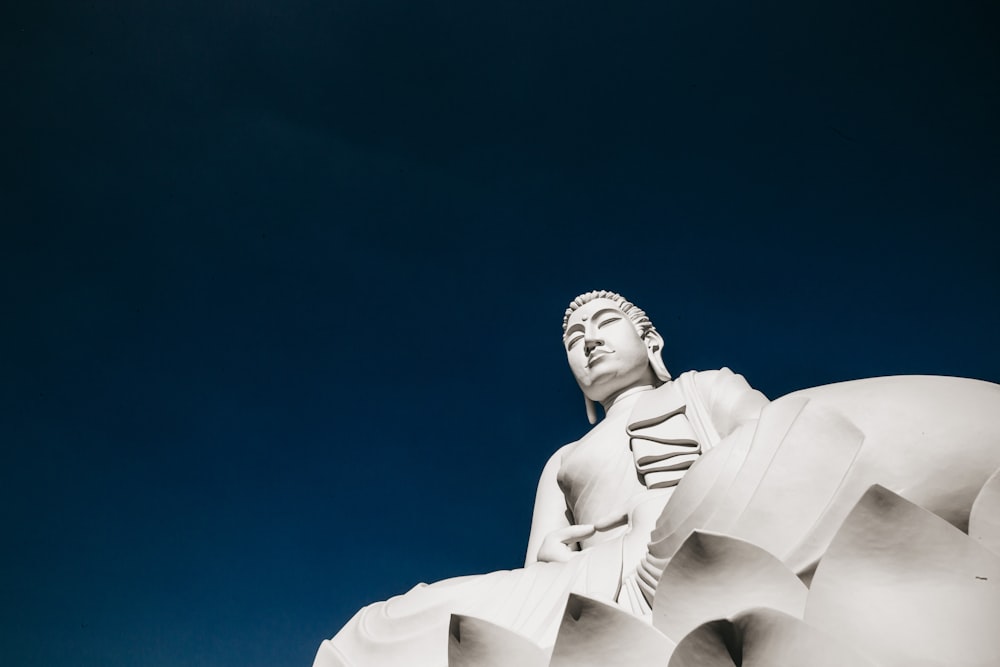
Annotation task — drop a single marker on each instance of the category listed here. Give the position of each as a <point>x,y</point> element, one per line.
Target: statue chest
<point>598,477</point>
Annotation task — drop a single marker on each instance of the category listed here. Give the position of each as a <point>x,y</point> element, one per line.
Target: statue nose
<point>590,344</point>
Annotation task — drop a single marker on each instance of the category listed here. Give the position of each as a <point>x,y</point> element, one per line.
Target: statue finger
<point>577,533</point>
<point>611,521</point>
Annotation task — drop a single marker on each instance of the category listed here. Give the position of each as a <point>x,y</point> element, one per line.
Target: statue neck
<point>624,397</point>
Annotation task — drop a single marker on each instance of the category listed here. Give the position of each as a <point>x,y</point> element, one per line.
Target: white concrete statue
<point>757,494</point>
<point>598,499</point>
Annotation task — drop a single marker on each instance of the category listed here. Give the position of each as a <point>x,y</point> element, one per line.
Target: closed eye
<point>573,341</point>
<point>608,321</point>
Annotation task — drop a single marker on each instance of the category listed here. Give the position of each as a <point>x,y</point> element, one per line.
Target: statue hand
<point>556,545</point>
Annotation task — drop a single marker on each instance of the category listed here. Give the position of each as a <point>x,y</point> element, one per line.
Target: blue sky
<point>283,282</point>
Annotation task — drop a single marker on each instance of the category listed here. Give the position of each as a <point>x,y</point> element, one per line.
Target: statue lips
<point>597,355</point>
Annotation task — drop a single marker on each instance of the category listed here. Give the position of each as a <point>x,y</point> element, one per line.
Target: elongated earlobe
<point>654,350</point>
<point>591,410</point>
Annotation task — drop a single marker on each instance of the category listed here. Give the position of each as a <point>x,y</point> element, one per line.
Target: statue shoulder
<point>728,397</point>
<point>555,461</point>
<point>712,383</point>
<point>705,380</point>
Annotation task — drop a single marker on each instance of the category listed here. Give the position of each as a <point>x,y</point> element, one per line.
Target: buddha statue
<point>597,502</point>
<point>633,522</point>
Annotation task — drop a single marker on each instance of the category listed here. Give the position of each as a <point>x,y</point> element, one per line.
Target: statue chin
<point>853,523</point>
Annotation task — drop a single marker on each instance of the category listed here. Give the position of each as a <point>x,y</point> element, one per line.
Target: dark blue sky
<point>282,281</point>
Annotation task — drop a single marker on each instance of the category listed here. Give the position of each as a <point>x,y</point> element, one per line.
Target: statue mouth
<point>597,356</point>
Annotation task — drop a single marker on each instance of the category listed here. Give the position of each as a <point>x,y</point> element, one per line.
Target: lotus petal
<point>907,588</point>
<point>763,638</point>
<point>772,429</point>
<point>715,576</point>
<point>715,502</point>
<point>596,634</point>
<point>910,425</point>
<point>473,642</point>
<point>700,492</point>
<point>802,479</point>
<point>984,521</point>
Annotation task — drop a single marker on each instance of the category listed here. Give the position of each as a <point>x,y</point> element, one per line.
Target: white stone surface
<point>906,588</point>
<point>715,576</point>
<point>984,519</point>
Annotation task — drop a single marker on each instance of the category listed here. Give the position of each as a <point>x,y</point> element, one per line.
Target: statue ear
<point>654,350</point>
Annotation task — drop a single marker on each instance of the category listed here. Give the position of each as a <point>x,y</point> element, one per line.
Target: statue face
<point>605,351</point>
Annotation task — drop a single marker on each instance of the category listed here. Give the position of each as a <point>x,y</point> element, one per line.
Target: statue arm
<point>550,513</point>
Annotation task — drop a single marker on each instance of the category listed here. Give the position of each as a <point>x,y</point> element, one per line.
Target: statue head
<point>611,346</point>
